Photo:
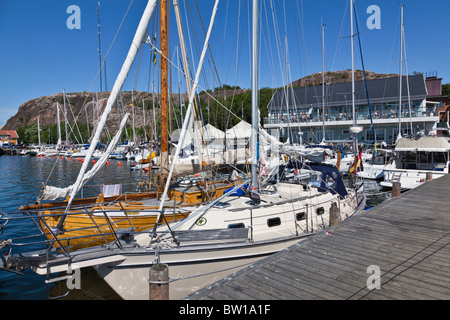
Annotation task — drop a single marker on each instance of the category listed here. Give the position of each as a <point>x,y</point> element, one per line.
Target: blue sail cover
<point>329,171</point>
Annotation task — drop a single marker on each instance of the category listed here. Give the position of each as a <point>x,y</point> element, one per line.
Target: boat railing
<point>103,232</point>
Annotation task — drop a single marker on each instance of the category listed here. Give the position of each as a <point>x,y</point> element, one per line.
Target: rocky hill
<point>338,77</point>
<point>77,105</point>
<point>80,103</point>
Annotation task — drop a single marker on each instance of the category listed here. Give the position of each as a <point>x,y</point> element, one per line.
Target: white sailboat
<point>250,221</point>
<point>418,159</point>
<point>54,150</point>
<point>374,167</point>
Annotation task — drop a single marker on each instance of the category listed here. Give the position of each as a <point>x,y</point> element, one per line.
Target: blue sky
<point>41,56</point>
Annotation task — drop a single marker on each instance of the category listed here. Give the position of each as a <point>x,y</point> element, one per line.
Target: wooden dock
<point>398,250</point>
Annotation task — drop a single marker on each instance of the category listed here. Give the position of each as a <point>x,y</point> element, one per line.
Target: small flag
<point>154,56</point>
<point>356,164</point>
<point>154,49</point>
<point>338,163</point>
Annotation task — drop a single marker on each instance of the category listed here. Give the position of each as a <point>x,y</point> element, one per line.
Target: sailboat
<point>55,149</point>
<point>247,222</point>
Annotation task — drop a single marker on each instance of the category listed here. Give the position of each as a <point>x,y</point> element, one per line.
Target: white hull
<point>193,269</point>
<point>373,171</point>
<point>409,179</point>
<point>214,261</point>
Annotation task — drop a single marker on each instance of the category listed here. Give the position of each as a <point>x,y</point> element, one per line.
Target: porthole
<point>320,211</point>
<point>273,222</point>
<point>300,216</point>
<point>236,226</point>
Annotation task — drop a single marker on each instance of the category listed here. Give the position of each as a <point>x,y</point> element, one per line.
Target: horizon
<point>42,56</point>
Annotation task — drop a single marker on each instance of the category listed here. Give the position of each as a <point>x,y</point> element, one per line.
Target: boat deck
<point>398,250</point>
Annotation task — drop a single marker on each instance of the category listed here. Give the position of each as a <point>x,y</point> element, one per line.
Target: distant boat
<point>373,168</point>
<point>416,158</point>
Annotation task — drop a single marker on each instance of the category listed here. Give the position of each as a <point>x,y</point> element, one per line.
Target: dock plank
<point>407,237</point>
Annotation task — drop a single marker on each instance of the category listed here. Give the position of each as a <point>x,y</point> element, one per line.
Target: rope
<point>5,243</point>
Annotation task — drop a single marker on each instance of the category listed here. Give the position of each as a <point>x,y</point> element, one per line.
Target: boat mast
<point>65,115</point>
<point>99,46</point>
<point>164,92</point>
<point>39,135</point>
<point>59,126</point>
<point>353,64</point>
<point>189,114</point>
<point>354,129</point>
<point>323,81</point>
<point>255,116</point>
<point>400,76</point>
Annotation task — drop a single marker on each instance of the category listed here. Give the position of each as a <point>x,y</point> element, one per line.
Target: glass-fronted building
<point>297,113</point>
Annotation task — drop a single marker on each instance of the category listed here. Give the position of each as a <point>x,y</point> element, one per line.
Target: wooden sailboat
<point>86,225</point>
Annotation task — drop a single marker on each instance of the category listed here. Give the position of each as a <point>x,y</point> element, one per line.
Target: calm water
<point>21,178</point>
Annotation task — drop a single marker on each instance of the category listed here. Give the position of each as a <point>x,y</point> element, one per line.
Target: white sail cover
<point>210,132</point>
<point>244,130</point>
<point>53,193</point>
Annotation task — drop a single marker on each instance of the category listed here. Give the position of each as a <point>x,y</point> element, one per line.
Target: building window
<point>380,134</point>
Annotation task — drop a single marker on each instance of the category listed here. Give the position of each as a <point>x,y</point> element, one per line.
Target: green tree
<point>446,89</point>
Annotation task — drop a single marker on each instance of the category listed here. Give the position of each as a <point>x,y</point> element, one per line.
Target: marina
<point>266,193</point>
<point>405,239</point>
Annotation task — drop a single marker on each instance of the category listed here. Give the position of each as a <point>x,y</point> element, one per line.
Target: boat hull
<point>84,230</point>
<point>189,270</point>
<point>408,178</point>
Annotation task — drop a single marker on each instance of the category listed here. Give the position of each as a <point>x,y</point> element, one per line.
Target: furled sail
<point>137,40</point>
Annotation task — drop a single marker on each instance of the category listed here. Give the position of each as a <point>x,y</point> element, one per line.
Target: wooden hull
<point>105,224</point>
<point>83,230</point>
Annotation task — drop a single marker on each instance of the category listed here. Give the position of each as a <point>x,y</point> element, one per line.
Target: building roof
<point>11,133</point>
<point>340,94</point>
<point>426,143</point>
